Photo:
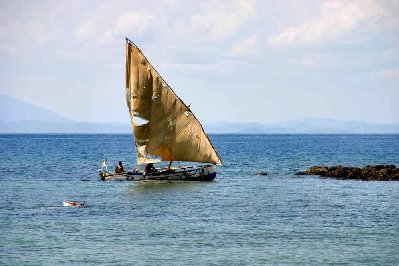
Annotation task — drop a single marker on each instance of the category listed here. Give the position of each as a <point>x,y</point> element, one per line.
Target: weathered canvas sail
<point>163,125</point>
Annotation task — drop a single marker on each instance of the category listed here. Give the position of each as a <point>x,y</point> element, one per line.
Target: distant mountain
<point>19,117</point>
<point>12,109</point>
<point>303,126</point>
<point>331,126</point>
<point>32,126</point>
<point>245,128</point>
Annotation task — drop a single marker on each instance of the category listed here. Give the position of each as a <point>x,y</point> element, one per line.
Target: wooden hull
<point>192,173</point>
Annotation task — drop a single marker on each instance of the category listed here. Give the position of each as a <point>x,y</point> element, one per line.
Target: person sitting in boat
<point>119,169</point>
<point>149,168</point>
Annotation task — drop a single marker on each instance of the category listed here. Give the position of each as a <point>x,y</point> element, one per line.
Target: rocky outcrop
<point>368,173</point>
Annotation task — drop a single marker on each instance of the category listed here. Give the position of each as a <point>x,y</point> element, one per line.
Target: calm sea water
<point>240,218</point>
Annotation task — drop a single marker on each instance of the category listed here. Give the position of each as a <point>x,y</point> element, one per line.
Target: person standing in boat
<point>119,169</point>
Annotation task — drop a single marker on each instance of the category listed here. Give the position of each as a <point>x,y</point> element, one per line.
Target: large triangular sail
<point>163,125</point>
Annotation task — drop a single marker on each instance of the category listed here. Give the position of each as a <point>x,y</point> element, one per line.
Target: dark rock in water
<point>301,173</point>
<point>261,173</point>
<point>367,173</point>
<point>317,170</point>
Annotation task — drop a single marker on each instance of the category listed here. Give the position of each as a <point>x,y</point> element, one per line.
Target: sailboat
<point>164,127</point>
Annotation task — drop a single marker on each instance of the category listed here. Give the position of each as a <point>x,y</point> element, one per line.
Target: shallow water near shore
<point>240,218</point>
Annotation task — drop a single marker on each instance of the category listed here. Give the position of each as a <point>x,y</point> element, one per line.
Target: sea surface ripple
<point>239,219</point>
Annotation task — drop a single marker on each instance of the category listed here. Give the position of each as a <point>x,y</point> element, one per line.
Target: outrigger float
<point>165,129</point>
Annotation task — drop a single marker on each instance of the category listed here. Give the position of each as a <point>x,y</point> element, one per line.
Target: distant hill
<point>32,126</point>
<point>304,126</point>
<point>19,117</point>
<point>12,109</point>
<point>324,125</point>
<point>245,128</point>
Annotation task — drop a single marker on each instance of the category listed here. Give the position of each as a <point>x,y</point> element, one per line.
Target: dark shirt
<point>119,169</point>
<point>149,168</point>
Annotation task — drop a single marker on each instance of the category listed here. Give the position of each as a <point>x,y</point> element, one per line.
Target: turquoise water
<point>240,218</point>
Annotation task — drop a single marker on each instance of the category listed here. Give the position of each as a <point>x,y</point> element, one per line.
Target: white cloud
<point>108,28</point>
<point>336,18</point>
<point>31,25</point>
<point>220,19</point>
<point>80,43</point>
<point>387,73</point>
<point>18,34</point>
<point>220,68</point>
<point>246,47</point>
<point>391,52</point>
<point>85,30</point>
<point>310,60</point>
<point>137,21</point>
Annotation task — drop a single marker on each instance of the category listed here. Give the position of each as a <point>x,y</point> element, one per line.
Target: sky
<point>238,61</point>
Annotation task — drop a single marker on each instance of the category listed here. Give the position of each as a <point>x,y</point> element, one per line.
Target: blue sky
<point>248,61</point>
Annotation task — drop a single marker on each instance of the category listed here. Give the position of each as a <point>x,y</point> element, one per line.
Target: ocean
<point>238,219</point>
